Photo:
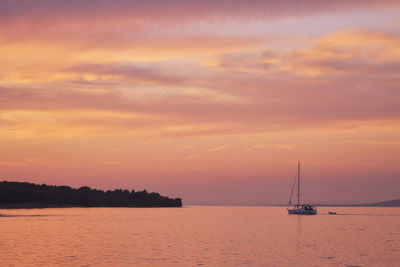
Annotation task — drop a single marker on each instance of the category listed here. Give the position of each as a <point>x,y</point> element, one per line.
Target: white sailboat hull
<point>302,211</point>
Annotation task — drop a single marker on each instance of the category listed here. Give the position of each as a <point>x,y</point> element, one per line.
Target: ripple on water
<point>195,236</point>
<point>31,215</point>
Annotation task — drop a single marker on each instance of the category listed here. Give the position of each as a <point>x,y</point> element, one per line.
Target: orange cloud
<point>189,94</point>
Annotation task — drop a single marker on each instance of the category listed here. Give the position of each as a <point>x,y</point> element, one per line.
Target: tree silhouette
<point>15,194</point>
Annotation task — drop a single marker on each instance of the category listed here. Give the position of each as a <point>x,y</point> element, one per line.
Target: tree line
<point>16,193</point>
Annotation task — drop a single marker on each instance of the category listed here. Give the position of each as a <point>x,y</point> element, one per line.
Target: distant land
<point>29,195</point>
<point>389,203</point>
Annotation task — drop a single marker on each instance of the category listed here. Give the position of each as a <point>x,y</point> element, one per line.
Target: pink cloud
<point>92,91</point>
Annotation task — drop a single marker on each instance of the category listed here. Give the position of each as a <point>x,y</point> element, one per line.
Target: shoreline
<point>46,206</point>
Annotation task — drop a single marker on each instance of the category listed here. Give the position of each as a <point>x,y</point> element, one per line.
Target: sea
<point>199,236</point>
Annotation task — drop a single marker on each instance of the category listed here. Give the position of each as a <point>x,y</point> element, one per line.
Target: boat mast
<point>298,184</point>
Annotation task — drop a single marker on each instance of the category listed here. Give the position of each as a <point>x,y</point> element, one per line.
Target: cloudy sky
<point>211,101</point>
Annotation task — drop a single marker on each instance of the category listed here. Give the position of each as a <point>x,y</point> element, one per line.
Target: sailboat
<point>300,209</point>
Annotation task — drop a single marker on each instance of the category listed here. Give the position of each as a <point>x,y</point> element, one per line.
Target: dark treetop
<point>27,195</point>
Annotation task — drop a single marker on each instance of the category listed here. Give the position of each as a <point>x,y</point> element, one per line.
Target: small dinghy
<point>332,213</point>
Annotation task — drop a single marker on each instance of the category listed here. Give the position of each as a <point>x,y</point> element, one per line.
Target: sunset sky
<point>212,101</point>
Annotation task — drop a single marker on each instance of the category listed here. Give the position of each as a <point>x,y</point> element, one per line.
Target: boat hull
<point>302,212</point>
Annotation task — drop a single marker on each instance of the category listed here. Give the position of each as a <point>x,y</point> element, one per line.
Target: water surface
<point>196,235</point>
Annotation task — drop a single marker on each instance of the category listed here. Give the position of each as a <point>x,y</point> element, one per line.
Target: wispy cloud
<point>218,148</point>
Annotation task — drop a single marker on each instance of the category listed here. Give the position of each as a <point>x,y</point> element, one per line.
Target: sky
<point>211,101</point>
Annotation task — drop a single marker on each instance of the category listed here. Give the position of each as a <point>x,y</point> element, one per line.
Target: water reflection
<point>194,236</point>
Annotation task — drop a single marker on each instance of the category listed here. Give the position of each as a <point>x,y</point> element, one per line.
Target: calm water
<point>193,236</point>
